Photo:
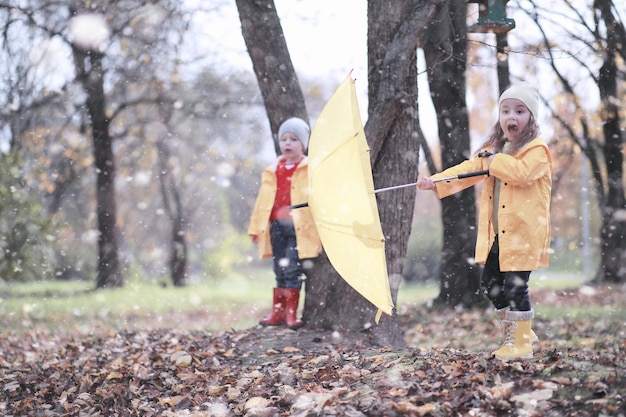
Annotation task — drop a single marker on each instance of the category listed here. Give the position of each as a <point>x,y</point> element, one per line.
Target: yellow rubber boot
<point>518,334</point>
<point>501,313</point>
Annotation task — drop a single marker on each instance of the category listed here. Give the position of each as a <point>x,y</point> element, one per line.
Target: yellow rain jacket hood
<point>523,205</point>
<point>309,244</point>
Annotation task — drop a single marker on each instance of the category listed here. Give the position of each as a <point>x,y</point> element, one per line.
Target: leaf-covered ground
<point>446,370</point>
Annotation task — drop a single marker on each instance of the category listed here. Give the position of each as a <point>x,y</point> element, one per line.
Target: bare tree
<point>445,49</point>
<point>613,231</point>
<point>394,31</point>
<point>172,201</point>
<point>605,153</point>
<point>90,73</point>
<point>136,31</point>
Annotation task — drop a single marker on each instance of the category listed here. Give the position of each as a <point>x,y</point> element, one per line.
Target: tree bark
<point>91,75</point>
<point>502,62</point>
<point>613,230</point>
<point>277,78</point>
<point>445,51</point>
<point>175,213</point>
<point>392,129</point>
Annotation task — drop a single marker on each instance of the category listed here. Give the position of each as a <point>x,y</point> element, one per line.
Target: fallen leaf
<point>529,400</point>
<point>181,358</point>
<point>291,349</point>
<point>115,375</point>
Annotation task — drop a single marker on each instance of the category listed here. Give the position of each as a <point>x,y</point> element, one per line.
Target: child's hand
<point>254,238</point>
<point>425,184</point>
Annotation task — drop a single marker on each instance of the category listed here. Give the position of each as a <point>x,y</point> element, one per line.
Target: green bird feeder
<point>491,17</point>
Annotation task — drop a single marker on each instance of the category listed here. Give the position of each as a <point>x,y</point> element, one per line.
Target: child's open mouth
<point>512,129</point>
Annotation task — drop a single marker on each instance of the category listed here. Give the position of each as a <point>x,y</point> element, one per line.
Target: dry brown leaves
<point>447,371</point>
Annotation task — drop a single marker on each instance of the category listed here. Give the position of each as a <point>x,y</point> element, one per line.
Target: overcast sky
<point>325,37</point>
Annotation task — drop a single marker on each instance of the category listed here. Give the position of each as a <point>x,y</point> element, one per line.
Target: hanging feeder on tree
<point>491,17</point>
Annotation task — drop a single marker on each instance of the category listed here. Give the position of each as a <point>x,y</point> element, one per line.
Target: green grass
<point>540,280</point>
<point>73,304</point>
<point>237,301</point>
<point>550,279</point>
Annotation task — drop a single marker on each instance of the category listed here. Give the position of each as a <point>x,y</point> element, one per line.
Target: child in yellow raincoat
<point>514,220</point>
<point>287,236</point>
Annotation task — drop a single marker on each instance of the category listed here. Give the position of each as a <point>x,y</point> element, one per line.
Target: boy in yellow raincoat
<point>514,220</point>
<point>287,236</point>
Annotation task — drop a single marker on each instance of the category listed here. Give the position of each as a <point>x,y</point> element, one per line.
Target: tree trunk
<point>175,213</point>
<point>445,51</point>
<point>613,231</point>
<point>502,65</point>
<point>90,73</point>
<point>272,64</point>
<point>394,31</point>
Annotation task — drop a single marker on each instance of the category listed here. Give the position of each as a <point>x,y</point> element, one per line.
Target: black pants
<point>504,288</point>
<point>287,265</point>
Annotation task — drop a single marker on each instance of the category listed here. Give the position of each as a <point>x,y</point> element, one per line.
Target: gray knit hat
<point>525,93</point>
<point>298,127</point>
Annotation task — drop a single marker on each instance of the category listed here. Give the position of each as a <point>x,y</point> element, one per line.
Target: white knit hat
<point>525,93</point>
<point>298,127</point>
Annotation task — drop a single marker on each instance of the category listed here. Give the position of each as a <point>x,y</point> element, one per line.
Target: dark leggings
<point>504,288</point>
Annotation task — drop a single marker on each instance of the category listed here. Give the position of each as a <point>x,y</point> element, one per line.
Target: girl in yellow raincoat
<point>287,236</point>
<point>514,220</point>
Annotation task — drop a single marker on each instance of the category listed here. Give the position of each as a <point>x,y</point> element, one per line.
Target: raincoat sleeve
<point>447,188</point>
<point>522,172</point>
<point>259,220</point>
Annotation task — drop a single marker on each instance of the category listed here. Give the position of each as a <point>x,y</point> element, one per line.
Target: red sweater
<point>283,191</point>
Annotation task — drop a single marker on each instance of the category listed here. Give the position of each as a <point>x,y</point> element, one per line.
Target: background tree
<point>600,32</point>
<point>613,231</point>
<point>175,211</point>
<point>445,50</point>
<point>132,31</point>
<point>90,73</point>
<point>27,110</point>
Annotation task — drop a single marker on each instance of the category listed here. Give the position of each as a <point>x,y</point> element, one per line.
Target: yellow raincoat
<point>523,208</point>
<point>309,244</point>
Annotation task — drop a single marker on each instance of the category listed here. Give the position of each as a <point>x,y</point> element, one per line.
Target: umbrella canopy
<point>342,200</point>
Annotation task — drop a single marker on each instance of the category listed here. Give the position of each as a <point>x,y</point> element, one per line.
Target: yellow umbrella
<point>342,200</point>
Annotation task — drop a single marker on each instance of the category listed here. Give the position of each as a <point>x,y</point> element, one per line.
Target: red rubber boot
<point>277,316</point>
<point>292,298</point>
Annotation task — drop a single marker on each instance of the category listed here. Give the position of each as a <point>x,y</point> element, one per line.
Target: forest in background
<point>205,136</point>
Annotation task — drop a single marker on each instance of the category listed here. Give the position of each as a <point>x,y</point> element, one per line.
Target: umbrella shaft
<point>394,187</point>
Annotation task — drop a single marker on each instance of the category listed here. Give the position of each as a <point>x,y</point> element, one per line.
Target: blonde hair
<point>495,142</point>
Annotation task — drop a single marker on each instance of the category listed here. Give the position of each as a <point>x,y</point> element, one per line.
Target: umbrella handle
<point>297,206</point>
<point>461,176</point>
